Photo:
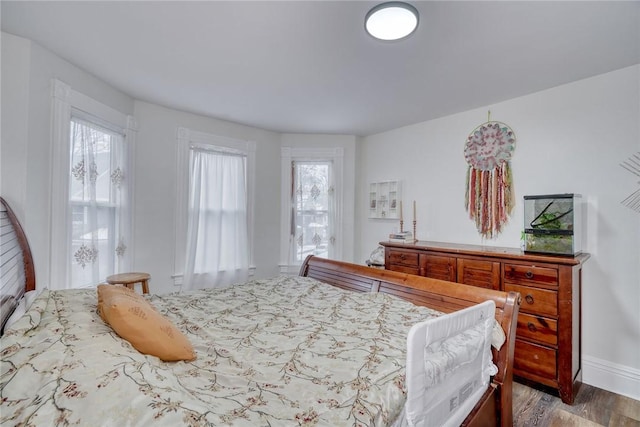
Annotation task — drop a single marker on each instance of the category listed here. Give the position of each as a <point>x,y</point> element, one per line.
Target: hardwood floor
<point>593,407</point>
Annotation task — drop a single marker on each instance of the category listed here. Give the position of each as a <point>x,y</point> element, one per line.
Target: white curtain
<point>97,201</point>
<point>217,242</point>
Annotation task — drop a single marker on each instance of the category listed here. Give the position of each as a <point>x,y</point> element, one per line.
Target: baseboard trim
<point>610,376</point>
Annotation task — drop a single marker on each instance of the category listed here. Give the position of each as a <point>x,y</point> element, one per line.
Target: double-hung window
<point>213,235</point>
<point>311,205</point>
<point>91,189</point>
<point>95,202</point>
<point>312,225</point>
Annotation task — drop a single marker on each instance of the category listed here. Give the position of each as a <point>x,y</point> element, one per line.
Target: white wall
<point>27,70</point>
<point>570,139</point>
<point>15,121</point>
<point>155,190</point>
<point>25,156</point>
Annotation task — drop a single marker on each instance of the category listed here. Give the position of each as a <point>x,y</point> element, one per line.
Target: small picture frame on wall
<point>384,199</point>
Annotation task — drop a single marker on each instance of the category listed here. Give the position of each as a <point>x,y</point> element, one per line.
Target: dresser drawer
<point>403,258</point>
<point>479,272</point>
<point>535,359</point>
<point>541,329</point>
<point>528,274</point>
<point>536,301</point>
<point>438,267</point>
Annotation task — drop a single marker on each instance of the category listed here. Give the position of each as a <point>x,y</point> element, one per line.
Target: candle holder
<point>415,237</point>
<point>401,226</point>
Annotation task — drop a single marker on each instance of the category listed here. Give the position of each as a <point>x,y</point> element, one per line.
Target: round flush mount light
<point>393,20</point>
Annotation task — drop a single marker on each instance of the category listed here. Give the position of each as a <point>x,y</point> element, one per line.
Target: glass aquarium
<point>553,224</point>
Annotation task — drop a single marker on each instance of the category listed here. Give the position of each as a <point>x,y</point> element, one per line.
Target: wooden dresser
<point>548,344</point>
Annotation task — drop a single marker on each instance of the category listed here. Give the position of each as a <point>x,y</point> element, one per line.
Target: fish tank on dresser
<point>553,224</point>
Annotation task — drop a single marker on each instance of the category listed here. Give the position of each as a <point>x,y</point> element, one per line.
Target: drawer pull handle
<point>529,299</point>
<point>532,327</point>
<point>529,274</point>
<point>402,257</point>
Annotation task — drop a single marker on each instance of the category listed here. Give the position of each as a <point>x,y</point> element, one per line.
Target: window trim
<point>287,155</point>
<point>65,103</point>
<point>185,139</point>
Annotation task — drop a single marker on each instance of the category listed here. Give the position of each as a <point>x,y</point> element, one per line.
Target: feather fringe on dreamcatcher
<point>490,198</point>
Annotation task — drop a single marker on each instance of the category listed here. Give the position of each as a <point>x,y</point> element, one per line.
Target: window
<point>95,199</point>
<point>91,190</point>
<point>311,205</point>
<point>214,205</point>
<point>312,227</point>
<point>217,246</point>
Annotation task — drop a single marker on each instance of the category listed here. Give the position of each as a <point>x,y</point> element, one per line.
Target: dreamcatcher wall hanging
<point>490,197</point>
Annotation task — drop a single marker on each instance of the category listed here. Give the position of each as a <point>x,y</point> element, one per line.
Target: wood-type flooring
<point>592,407</point>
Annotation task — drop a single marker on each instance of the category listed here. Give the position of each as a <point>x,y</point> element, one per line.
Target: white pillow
<point>22,307</point>
<point>20,310</point>
<point>31,296</point>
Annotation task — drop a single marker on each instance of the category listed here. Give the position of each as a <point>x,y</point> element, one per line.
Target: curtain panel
<point>97,199</point>
<point>217,252</point>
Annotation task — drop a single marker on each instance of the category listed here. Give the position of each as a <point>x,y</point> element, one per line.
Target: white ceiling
<point>309,67</point>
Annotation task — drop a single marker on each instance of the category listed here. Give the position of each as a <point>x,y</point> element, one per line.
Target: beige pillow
<point>135,320</point>
<point>105,290</point>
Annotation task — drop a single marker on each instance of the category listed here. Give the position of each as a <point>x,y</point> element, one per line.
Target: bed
<point>326,347</point>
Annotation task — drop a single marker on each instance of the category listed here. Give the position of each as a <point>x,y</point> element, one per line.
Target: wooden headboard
<point>17,274</point>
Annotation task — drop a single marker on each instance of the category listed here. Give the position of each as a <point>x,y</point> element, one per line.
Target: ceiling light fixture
<point>393,20</point>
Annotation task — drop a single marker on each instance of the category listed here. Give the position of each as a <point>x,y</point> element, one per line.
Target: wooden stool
<point>130,279</point>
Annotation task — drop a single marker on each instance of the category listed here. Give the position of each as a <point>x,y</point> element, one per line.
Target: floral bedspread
<point>279,352</point>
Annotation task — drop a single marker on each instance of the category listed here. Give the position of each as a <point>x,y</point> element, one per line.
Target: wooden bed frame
<point>493,409</point>
<point>16,263</point>
<point>495,406</point>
